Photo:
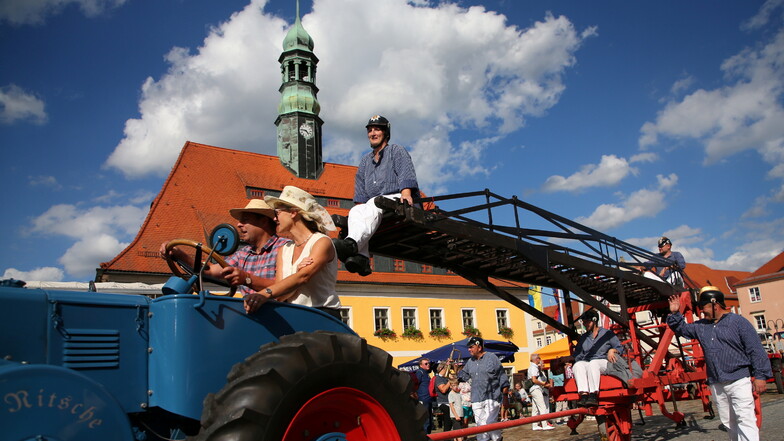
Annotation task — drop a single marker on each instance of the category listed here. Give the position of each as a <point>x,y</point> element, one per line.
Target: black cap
<point>378,121</point>
<point>664,241</point>
<point>591,315</point>
<point>710,294</point>
<point>476,341</point>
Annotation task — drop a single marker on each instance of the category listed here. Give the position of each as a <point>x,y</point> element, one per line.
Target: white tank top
<point>320,289</point>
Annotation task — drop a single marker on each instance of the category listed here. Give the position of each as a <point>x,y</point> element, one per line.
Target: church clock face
<point>306,130</point>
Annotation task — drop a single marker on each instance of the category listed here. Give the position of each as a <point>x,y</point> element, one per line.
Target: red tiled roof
<point>724,279</point>
<point>207,181</point>
<point>203,185</point>
<point>774,265</point>
<point>773,269</point>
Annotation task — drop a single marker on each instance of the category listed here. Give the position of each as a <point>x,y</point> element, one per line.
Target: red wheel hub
<point>344,410</point>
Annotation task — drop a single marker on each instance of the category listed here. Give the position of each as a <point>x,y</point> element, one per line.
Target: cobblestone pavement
<point>661,428</point>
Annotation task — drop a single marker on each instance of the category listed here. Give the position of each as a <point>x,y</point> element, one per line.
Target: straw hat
<point>303,200</point>
<point>254,206</point>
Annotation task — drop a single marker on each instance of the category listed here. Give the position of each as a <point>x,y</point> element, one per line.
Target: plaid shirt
<point>260,264</point>
<point>393,172</point>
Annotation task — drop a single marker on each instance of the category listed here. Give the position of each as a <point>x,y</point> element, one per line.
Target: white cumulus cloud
<point>430,69</point>
<point>609,172</point>
<point>69,220</point>
<point>16,104</point>
<point>745,114</point>
<point>644,157</point>
<point>21,12</point>
<point>696,246</point>
<point>100,233</point>
<point>44,181</point>
<point>43,274</point>
<point>667,182</point>
<point>641,203</point>
<point>763,15</point>
<point>83,257</point>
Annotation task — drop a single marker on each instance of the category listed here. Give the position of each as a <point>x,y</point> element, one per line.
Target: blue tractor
<point>101,366</point>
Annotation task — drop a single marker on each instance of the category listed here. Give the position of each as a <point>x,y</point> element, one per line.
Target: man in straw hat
<point>307,267</point>
<point>733,355</point>
<point>386,171</point>
<point>252,266</point>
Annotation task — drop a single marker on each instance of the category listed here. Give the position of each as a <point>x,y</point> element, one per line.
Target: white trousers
<point>735,402</point>
<point>363,221</point>
<point>538,405</point>
<point>486,412</point>
<point>560,406</point>
<point>588,373</point>
<point>673,279</point>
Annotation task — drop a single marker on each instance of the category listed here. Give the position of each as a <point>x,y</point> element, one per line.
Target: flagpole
<point>560,304</point>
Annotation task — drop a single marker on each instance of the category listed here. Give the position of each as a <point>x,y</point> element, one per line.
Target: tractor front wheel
<point>313,385</point>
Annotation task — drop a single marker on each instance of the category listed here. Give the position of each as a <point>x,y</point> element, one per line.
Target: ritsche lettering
<point>21,400</point>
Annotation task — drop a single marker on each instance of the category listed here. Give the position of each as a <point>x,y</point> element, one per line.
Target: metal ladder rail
<point>569,271</point>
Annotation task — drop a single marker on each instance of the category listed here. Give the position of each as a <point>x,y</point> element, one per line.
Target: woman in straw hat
<point>307,268</point>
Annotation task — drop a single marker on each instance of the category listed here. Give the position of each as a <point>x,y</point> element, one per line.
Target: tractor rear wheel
<point>314,384</point>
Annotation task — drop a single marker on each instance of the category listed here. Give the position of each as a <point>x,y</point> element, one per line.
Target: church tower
<point>298,123</point>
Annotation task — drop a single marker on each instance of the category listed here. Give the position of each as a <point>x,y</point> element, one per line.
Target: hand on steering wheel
<point>180,268</point>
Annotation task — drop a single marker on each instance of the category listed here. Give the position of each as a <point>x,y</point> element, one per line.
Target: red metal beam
<point>505,425</point>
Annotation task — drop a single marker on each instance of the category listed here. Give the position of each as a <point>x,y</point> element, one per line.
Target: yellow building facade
<point>368,308</point>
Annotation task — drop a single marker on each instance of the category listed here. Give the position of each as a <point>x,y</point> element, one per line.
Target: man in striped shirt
<point>252,267</point>
<point>733,355</point>
<point>488,384</point>
<point>387,171</point>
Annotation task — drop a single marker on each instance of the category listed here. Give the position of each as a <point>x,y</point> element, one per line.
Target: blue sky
<point>639,119</point>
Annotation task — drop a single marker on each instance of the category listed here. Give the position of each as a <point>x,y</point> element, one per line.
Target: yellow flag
<point>535,296</point>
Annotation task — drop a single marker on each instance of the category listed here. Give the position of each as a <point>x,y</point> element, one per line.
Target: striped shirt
<point>488,378</point>
<point>393,172</point>
<point>261,264</point>
<point>732,347</point>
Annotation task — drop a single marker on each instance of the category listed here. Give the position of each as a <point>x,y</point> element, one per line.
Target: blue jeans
<point>429,421</point>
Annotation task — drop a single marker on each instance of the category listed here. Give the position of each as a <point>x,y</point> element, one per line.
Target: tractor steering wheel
<point>183,270</point>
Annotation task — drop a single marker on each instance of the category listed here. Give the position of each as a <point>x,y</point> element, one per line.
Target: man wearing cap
<point>386,171</point>
<point>670,274</point>
<point>252,266</point>
<point>733,355</point>
<point>488,384</point>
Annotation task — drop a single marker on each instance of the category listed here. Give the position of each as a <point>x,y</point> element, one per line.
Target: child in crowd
<point>465,394</point>
<point>456,407</point>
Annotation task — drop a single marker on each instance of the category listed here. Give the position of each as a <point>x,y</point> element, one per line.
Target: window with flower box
<point>381,318</point>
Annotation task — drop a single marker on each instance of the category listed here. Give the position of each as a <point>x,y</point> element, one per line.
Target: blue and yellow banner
<point>535,296</point>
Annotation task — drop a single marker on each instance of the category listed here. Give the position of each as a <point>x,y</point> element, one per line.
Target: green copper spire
<point>298,37</point>
<point>299,126</point>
